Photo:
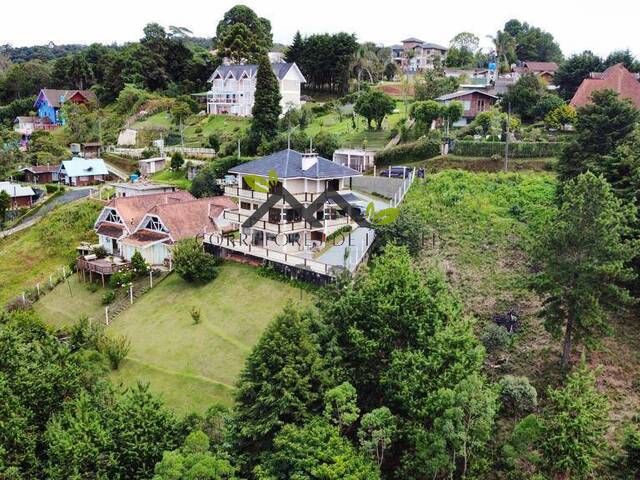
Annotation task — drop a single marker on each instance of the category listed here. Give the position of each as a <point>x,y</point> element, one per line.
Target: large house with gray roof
<point>288,222</point>
<point>233,88</point>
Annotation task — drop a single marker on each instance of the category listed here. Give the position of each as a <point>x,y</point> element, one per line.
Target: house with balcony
<point>292,225</point>
<point>473,103</point>
<point>233,88</point>
<point>415,55</point>
<point>151,225</point>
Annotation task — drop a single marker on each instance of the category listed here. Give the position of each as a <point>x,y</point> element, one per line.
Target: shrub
<point>517,395</point>
<point>192,263</point>
<point>139,266</point>
<point>176,161</point>
<point>516,149</point>
<point>100,251</point>
<point>93,287</point>
<point>120,279</point>
<point>51,188</point>
<point>115,349</point>
<point>108,297</point>
<point>409,152</point>
<point>494,337</point>
<point>214,141</point>
<point>631,449</point>
<point>196,315</point>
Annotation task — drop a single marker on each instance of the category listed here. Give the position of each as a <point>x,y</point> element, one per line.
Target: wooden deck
<point>99,266</point>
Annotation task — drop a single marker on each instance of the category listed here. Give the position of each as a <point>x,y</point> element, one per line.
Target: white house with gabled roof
<point>233,88</point>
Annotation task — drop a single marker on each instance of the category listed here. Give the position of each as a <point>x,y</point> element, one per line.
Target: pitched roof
<point>41,169</point>
<point>23,119</point>
<point>288,164</point>
<point>110,229</point>
<point>54,96</point>
<point>412,40</point>
<point>280,70</point>
<point>191,218</point>
<point>16,190</point>
<point>78,167</point>
<point>462,93</point>
<point>541,66</point>
<point>144,235</point>
<point>616,78</point>
<point>434,46</point>
<point>133,209</point>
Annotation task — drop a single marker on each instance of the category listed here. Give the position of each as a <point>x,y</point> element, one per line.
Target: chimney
<point>309,159</point>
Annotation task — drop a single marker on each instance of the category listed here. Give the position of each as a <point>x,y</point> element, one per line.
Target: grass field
<point>191,366</point>
<point>168,176</point>
<point>30,256</point>
<point>376,139</point>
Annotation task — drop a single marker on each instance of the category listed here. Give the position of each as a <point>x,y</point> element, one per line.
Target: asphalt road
<point>66,197</point>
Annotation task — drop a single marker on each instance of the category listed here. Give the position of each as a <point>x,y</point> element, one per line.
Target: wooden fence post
<point>50,281</point>
<point>131,293</point>
<point>150,278</point>
<point>106,315</point>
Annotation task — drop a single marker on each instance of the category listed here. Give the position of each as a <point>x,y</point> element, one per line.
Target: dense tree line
<point>161,61</point>
<point>39,52</point>
<point>325,60</point>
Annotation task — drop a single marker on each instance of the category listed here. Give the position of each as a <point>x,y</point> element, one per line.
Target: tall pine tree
<point>296,49</point>
<point>266,107</point>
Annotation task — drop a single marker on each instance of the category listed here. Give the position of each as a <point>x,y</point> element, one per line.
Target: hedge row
<point>408,152</point>
<point>516,150</point>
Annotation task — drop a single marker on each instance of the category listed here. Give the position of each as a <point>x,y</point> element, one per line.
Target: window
<point>481,105</point>
<point>154,223</point>
<point>245,205</point>
<point>467,105</point>
<point>113,216</point>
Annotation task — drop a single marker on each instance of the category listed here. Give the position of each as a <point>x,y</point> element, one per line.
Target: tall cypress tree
<point>266,107</point>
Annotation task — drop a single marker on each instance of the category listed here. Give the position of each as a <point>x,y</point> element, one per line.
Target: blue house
<point>50,101</point>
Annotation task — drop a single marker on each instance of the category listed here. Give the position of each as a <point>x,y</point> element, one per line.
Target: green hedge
<point>516,150</point>
<point>408,152</point>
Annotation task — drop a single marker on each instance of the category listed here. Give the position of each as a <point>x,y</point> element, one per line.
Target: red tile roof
<point>541,66</point>
<point>616,78</point>
<point>41,169</point>
<point>189,219</point>
<point>143,236</point>
<point>109,229</point>
<point>133,209</point>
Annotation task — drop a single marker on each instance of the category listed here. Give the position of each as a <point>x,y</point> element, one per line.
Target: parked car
<point>397,171</point>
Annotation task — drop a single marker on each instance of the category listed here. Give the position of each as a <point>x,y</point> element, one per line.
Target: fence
<point>192,151</point>
<point>466,148</point>
<point>403,189</point>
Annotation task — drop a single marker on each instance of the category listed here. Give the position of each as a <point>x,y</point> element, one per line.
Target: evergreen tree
<point>194,461</point>
<point>266,107</point>
<point>314,451</point>
<point>574,70</point>
<point>583,255</point>
<point>242,36</point>
<point>295,52</point>
<point>574,425</point>
<point>601,127</point>
<point>281,383</point>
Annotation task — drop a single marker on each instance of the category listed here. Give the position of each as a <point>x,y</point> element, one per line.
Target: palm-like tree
<point>505,46</point>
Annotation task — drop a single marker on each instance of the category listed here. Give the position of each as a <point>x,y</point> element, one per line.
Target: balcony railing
<point>304,197</point>
<point>100,265</point>
<point>282,227</point>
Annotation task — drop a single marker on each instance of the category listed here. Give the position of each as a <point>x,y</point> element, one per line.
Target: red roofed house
<point>41,173</point>
<point>151,224</point>
<point>50,101</point>
<point>616,78</point>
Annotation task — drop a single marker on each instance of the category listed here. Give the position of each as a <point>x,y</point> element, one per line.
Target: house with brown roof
<point>40,173</point>
<point>616,78</point>
<point>415,55</point>
<point>151,224</point>
<point>473,103</point>
<point>543,70</point>
<point>50,101</point>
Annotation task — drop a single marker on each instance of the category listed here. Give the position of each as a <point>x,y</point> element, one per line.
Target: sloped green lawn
<point>191,366</point>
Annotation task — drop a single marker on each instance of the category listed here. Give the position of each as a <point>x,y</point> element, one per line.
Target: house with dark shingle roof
<point>473,103</point>
<point>616,78</point>
<point>233,88</point>
<point>50,101</point>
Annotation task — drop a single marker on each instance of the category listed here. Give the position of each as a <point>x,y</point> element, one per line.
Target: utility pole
<point>506,144</point>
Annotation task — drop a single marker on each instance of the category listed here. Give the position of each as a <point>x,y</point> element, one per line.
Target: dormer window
<point>113,217</point>
<point>154,223</point>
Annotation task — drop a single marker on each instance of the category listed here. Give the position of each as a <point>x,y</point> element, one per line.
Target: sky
<point>576,24</point>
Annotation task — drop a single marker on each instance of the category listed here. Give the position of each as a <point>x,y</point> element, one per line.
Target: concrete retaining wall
<point>384,186</point>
